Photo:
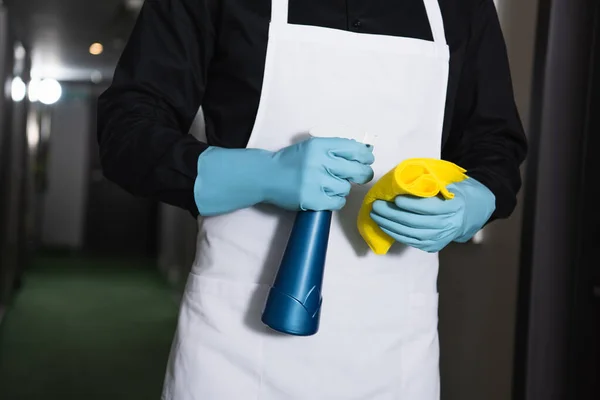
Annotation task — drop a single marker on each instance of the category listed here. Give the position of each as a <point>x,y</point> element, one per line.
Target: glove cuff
<point>230,179</point>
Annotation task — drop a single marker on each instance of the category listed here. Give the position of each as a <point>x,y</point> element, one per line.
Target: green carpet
<point>86,329</point>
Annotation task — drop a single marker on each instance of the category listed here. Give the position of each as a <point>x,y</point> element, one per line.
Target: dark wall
<point>14,162</point>
<point>555,272</point>
<point>584,335</point>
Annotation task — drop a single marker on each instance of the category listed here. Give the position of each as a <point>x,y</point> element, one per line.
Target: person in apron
<point>378,337</point>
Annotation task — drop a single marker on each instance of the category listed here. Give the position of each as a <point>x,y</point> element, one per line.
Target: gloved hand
<point>430,224</point>
<point>312,175</point>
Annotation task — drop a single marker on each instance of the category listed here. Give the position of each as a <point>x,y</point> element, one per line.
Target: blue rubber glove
<point>312,175</point>
<point>430,224</point>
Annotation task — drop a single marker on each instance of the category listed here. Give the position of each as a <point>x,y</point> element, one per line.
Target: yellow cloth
<point>421,177</point>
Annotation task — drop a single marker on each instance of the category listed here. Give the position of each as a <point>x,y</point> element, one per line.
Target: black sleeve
<point>486,136</point>
<point>145,115</point>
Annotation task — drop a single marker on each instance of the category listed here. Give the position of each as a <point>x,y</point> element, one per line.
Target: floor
<point>87,329</point>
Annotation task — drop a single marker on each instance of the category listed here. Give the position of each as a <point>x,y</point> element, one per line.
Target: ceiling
<point>60,32</point>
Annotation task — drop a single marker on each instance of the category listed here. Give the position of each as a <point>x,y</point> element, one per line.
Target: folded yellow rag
<point>421,177</point>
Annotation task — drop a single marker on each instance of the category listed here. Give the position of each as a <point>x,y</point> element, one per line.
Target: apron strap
<point>436,21</point>
<point>280,10</point>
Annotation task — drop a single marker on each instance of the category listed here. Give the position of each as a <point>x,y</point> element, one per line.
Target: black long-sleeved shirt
<point>183,54</point>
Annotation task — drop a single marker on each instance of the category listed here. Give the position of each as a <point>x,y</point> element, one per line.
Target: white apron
<point>378,335</point>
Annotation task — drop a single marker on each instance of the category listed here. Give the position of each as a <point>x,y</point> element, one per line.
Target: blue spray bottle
<point>294,302</point>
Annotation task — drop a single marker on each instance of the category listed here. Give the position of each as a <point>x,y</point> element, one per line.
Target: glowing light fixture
<point>18,89</point>
<point>46,91</point>
<point>33,90</point>
<point>96,49</point>
<point>96,77</point>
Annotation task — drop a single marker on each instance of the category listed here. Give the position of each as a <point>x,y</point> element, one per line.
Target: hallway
<point>87,329</point>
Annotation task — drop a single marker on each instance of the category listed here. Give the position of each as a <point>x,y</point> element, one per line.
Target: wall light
<point>33,129</point>
<point>46,91</point>
<point>18,89</point>
<point>50,91</point>
<point>96,49</point>
<point>20,52</point>
<point>96,77</point>
<point>33,90</point>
